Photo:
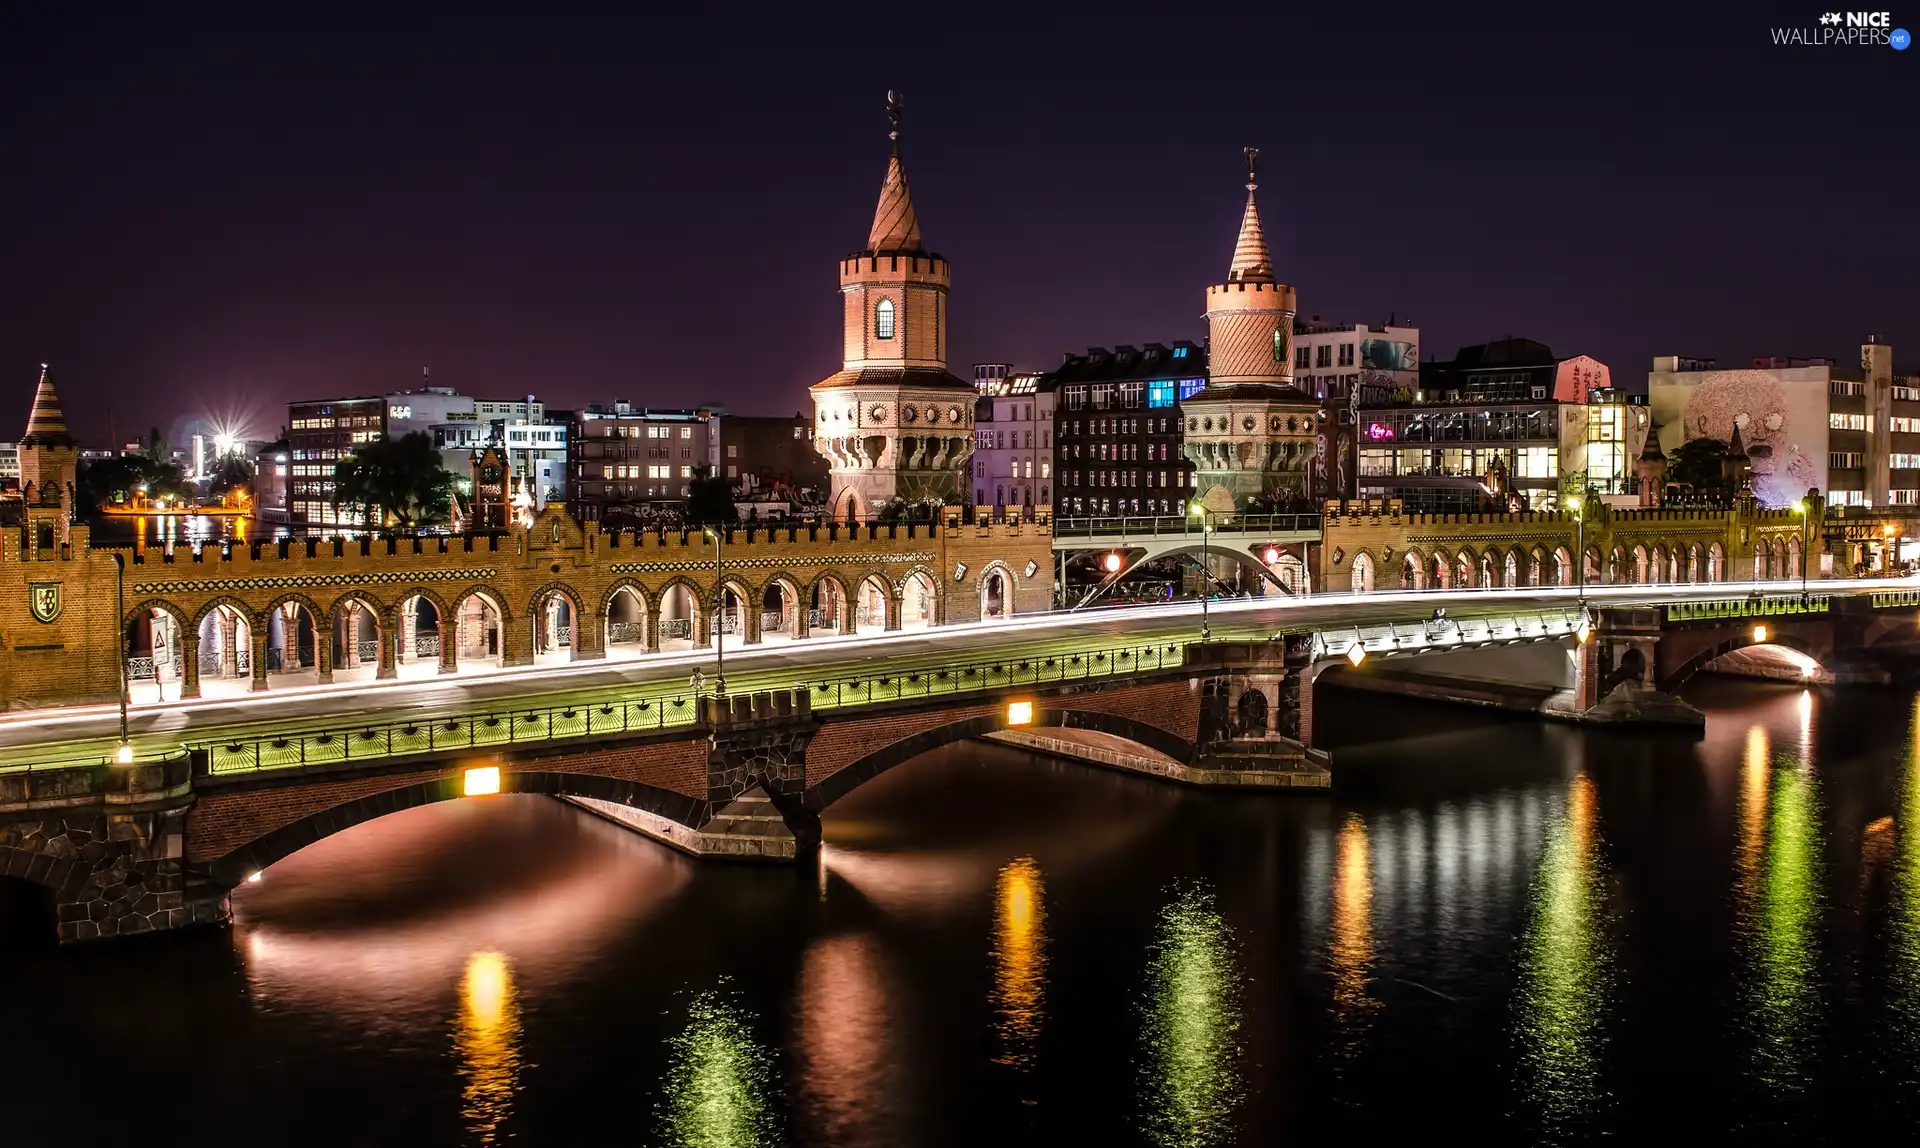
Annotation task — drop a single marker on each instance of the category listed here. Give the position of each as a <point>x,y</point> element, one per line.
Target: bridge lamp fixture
<point>253,878</point>
<point>1356,653</point>
<point>1019,713</point>
<point>1760,632</point>
<point>124,755</point>
<point>1271,555</point>
<point>480,781</point>
<point>1112,563</point>
<point>1583,631</point>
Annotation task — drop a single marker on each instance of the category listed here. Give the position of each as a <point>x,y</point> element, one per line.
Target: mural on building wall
<point>1784,428</point>
<point>1389,355</point>
<point>1580,376</point>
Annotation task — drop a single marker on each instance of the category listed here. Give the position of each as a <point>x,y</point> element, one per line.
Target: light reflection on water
<point>486,1038</point>
<point>1020,961</point>
<point>720,1088</point>
<point>1191,1027</point>
<point>1903,973</point>
<point>1566,966</point>
<point>1783,920</point>
<point>1350,946</point>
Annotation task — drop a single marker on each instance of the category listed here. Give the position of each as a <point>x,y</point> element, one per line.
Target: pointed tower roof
<point>1736,447</point>
<point>46,426</point>
<point>895,226</point>
<point>1651,452</point>
<point>1252,263</point>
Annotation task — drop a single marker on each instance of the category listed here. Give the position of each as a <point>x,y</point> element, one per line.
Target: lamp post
<point>1206,558</point>
<point>124,753</point>
<point>1579,505</point>
<point>720,615</point>
<point>1805,511</point>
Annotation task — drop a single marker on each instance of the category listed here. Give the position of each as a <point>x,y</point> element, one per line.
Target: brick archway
<point>1677,677</point>
<point>238,863</point>
<point>858,772</point>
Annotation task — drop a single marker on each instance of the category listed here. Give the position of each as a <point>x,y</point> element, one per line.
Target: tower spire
<point>895,226</point>
<point>46,425</point>
<point>1251,261</point>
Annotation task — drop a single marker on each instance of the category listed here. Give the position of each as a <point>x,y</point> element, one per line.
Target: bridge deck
<point>50,737</point>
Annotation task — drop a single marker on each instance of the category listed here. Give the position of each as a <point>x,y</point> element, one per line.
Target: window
<point>796,433</point>
<point>1130,394</point>
<point>1346,354</point>
<point>1839,421</point>
<point>1303,357</point>
<point>686,432</point>
<point>1179,352</point>
<point>1903,462</point>
<point>733,450</point>
<point>1905,497</point>
<point>733,472</point>
<point>686,472</point>
<point>1842,387</point>
<point>1323,356</point>
<point>1280,346</point>
<point>1191,387</point>
<point>883,319</point>
<point>1906,394</point>
<point>1843,459</point>
<point>1903,424</point>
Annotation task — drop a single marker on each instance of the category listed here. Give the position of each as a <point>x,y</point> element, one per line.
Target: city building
<point>10,465</point>
<point>321,432</point>
<point>762,455</point>
<point>1013,431</point>
<point>1806,424</point>
<point>1501,424</point>
<point>1250,432</point>
<point>272,483</point>
<point>631,463</point>
<point>1117,429</point>
<point>1330,359</point>
<point>989,377</point>
<point>534,448</point>
<point>893,423</point>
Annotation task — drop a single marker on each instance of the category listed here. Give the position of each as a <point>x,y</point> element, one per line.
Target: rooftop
<point>1183,359</point>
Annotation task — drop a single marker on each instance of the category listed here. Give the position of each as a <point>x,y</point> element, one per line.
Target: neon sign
<point>1379,431</point>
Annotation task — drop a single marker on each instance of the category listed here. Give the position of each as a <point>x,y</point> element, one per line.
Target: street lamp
<point>1579,507</point>
<point>124,754</point>
<point>720,615</point>
<point>1206,558</point>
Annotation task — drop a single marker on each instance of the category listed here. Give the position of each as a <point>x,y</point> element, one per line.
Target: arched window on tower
<point>883,319</point>
<point>1280,346</point>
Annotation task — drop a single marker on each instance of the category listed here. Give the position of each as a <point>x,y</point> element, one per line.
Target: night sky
<point>215,213</point>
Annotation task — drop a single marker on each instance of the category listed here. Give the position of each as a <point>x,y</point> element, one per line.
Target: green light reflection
<point>1903,973</point>
<point>1566,974</point>
<point>1786,951</point>
<point>1191,1027</point>
<point>718,1090</point>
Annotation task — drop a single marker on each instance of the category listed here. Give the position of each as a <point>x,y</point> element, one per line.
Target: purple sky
<point>208,214</point>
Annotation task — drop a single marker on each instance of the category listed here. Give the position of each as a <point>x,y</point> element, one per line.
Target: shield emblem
<point>44,600</point>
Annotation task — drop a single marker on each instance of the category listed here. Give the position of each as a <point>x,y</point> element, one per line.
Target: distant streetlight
<point>719,615</point>
<point>1112,563</point>
<point>1578,504</point>
<point>1804,508</point>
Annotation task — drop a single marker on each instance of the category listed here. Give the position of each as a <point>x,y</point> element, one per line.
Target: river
<point>1498,931</point>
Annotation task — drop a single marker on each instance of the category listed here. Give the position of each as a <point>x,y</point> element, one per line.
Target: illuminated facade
<point>893,423</point>
<point>321,432</point>
<point>1013,432</point>
<point>1118,429</point>
<point>1331,360</point>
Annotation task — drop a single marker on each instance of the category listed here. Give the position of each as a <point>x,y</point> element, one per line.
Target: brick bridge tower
<point>48,465</point>
<point>1251,432</point>
<point>893,422</point>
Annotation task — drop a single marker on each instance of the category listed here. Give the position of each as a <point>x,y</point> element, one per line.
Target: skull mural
<point>1755,402</point>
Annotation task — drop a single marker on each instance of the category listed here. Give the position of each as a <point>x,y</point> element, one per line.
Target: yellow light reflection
<point>487,1040</point>
<point>1904,926</point>
<point>1567,965</point>
<point>1350,951</point>
<point>1755,769</point>
<point>719,1088</point>
<point>1192,1027</point>
<point>1020,960</point>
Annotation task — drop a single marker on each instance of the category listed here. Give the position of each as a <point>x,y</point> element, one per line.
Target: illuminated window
<point>1280,346</point>
<point>883,319</point>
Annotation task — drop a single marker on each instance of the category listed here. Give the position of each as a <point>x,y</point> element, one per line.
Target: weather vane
<point>1253,165</point>
<point>896,111</point>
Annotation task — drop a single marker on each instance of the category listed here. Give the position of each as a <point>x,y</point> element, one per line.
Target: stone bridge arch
<point>240,862</point>
<point>823,791</point>
<point>1700,659</point>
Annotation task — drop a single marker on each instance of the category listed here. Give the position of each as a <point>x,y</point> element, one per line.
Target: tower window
<point>883,319</point>
<point>1280,346</point>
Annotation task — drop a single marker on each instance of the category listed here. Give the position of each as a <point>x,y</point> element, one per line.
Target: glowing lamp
<point>481,780</point>
<point>1356,653</point>
<point>253,878</point>
<point>1583,631</point>
<point>1271,555</point>
<point>123,755</point>
<point>1019,713</point>
<point>1760,632</point>
<point>1112,563</point>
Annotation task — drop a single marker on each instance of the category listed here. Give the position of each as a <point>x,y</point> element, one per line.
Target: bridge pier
<point>258,638</point>
<point>323,652</point>
<point>190,668</point>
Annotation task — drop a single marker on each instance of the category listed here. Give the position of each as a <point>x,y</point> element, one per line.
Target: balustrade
<point>622,632</point>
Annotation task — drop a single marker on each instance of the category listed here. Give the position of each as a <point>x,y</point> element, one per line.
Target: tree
<point>230,473</point>
<point>117,481</point>
<point>401,478</point>
<point>1699,463</point>
<point>709,498</point>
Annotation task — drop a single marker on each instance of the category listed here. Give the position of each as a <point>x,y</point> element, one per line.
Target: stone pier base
<point>1271,765</point>
<point>748,829</point>
<point>117,875</point>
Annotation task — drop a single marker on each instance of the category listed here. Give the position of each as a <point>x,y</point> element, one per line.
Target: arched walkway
<point>479,629</point>
<point>555,611</point>
<point>225,649</point>
<point>1360,577</point>
<point>1413,571</point>
<point>156,641</point>
<point>682,623</point>
<point>829,607</point>
<point>919,602</point>
<point>874,607</point>
<point>425,637</point>
<point>627,612</point>
<point>354,638</point>
<point>292,640</point>
<point>996,592</point>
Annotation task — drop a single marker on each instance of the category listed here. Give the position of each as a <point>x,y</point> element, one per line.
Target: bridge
<point>223,787</point>
<point>1271,549</point>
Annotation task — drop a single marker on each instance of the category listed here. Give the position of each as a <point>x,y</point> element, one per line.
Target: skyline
<point>317,215</point>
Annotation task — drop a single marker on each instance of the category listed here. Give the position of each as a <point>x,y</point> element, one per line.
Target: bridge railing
<point>1182,525</point>
<point>1885,599</point>
<point>1752,606</point>
<point>504,727</point>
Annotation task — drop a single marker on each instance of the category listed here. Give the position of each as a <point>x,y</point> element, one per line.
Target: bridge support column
<point>258,638</point>
<point>757,780</point>
<point>229,654</point>
<point>449,650</point>
<point>190,667</point>
<point>323,652</point>
<point>389,628</point>
<point>1616,673</point>
<point>589,636</point>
